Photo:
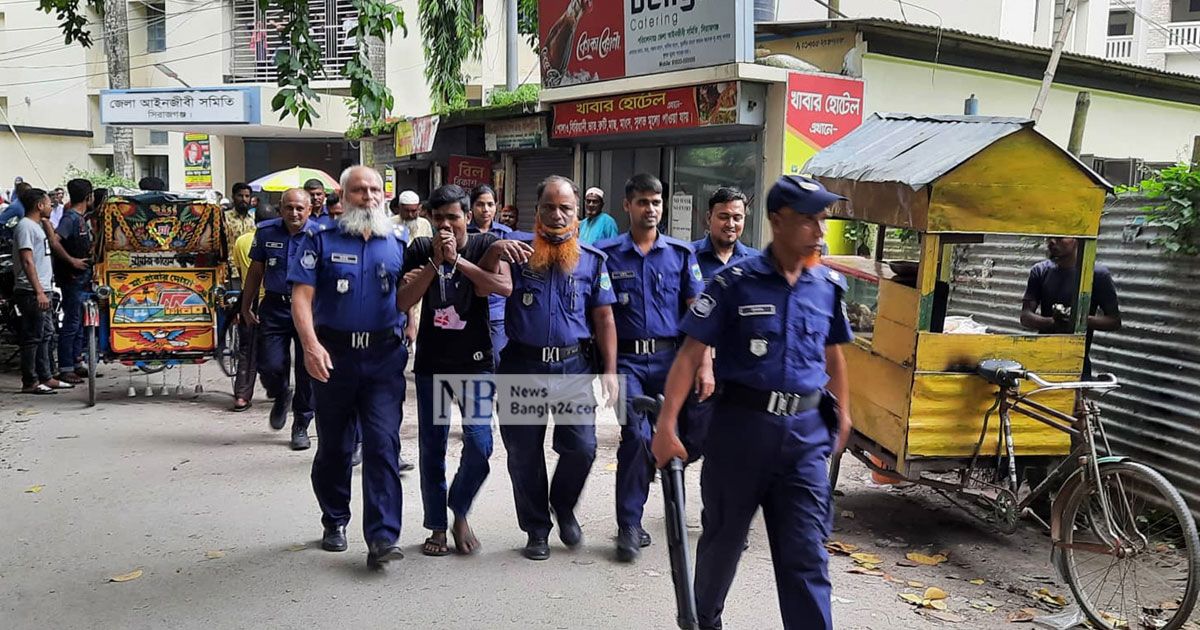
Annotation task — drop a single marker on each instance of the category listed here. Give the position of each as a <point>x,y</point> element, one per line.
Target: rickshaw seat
<point>1001,372</point>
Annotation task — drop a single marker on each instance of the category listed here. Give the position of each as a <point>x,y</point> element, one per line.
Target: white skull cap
<point>409,197</point>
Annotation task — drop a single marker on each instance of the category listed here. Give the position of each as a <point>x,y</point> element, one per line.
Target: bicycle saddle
<point>1000,372</point>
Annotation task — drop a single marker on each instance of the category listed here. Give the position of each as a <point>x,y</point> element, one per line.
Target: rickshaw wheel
<point>227,348</point>
<point>91,364</point>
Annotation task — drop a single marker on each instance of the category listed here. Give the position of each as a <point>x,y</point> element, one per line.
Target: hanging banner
<point>389,183</point>
<point>517,133</point>
<point>675,108</point>
<point>197,162</point>
<point>470,172</point>
<point>594,40</point>
<point>820,111</point>
<point>416,135</point>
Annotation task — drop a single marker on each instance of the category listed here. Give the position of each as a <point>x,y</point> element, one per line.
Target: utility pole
<point>116,50</point>
<point>1075,143</point>
<point>1055,54</point>
<point>835,9</point>
<point>510,45</point>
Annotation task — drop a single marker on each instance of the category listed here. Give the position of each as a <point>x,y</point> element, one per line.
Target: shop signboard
<point>595,40</point>
<point>820,111</point>
<point>470,172</point>
<point>416,135</point>
<point>197,162</point>
<point>199,105</point>
<point>705,105</point>
<point>389,183</point>
<point>514,134</point>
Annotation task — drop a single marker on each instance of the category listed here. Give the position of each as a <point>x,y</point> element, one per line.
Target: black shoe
<point>628,544</point>
<point>356,458</point>
<point>380,553</point>
<point>300,441</point>
<point>537,548</point>
<point>643,538</point>
<point>569,531</point>
<point>334,538</point>
<point>403,465</point>
<point>279,410</point>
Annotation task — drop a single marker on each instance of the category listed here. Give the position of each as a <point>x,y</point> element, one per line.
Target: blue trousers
<point>364,394</point>
<point>644,374</point>
<point>70,333</point>
<point>473,467</point>
<point>499,339</point>
<point>277,344</point>
<point>574,441</point>
<point>754,459</point>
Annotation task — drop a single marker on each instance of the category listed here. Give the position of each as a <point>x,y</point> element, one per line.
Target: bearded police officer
<point>559,287</point>
<point>776,321</point>
<point>344,300</point>
<point>654,277</point>
<point>275,244</point>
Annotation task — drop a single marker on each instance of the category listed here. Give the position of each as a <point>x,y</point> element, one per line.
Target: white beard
<point>358,221</point>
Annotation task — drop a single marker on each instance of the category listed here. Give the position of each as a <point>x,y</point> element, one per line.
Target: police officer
<point>654,277</point>
<point>275,244</point>
<point>776,321</point>
<point>453,338</point>
<point>344,301</point>
<point>315,189</point>
<point>483,219</point>
<point>560,286</point>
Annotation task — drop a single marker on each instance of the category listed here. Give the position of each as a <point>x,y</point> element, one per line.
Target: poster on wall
<point>197,162</point>
<point>416,135</point>
<point>389,183</point>
<point>676,108</point>
<point>594,40</point>
<point>681,216</point>
<point>820,111</point>
<point>470,172</point>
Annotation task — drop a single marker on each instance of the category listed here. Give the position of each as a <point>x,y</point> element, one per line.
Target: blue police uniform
<point>546,318</point>
<point>769,443</point>
<point>495,302</point>
<point>359,324</point>
<point>326,221</point>
<point>652,292</point>
<point>275,248</point>
<point>706,256</point>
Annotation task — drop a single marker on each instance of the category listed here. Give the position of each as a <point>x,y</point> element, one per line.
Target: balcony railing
<point>256,38</point>
<point>1183,34</point>
<point>1119,47</point>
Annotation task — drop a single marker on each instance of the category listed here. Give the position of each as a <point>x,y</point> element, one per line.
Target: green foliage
<point>99,179</point>
<point>72,19</point>
<point>450,36</point>
<point>1176,191</point>
<point>527,21</point>
<point>527,93</point>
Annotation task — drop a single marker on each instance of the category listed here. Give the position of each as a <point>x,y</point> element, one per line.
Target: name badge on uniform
<point>343,285</point>
<point>527,298</point>
<point>750,310</point>
<point>758,347</point>
<point>347,259</point>
<point>623,275</point>
<point>273,245</point>
<point>529,273</point>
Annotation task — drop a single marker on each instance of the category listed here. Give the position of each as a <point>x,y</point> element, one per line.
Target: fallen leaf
<point>915,584</point>
<point>936,604</point>
<point>912,598</point>
<point>929,561</point>
<point>34,489</point>
<point>841,600</point>
<point>298,547</point>
<point>1046,596</point>
<point>866,558</point>
<point>946,616</point>
<point>214,555</point>
<point>905,563</point>
<point>126,577</point>
<point>934,592</point>
<point>1025,614</point>
<point>834,546</point>
<point>976,582</point>
<point>28,411</point>
<point>861,570</point>
<point>982,605</point>
<point>612,466</point>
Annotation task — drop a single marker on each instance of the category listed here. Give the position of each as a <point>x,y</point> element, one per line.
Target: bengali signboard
<point>820,111</point>
<point>197,162</point>
<point>470,172</point>
<point>594,40</point>
<point>516,133</point>
<point>674,108</point>
<point>416,135</point>
<point>231,106</point>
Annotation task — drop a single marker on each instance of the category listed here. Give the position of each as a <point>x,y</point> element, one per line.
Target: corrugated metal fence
<point>1155,415</point>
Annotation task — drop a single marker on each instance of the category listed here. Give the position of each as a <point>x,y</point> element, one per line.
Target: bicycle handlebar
<point>1104,381</point>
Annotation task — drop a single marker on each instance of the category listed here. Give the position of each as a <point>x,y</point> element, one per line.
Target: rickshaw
<point>940,403</point>
<point>159,296</point>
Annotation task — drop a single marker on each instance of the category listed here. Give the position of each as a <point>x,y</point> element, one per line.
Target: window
<point>156,27</point>
<point>158,138</point>
<point>109,136</point>
<point>1120,23</point>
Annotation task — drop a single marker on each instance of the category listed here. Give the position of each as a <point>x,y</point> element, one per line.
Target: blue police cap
<point>802,194</point>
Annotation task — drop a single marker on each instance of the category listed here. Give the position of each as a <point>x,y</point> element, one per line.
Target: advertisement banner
<point>161,311</point>
<point>820,111</point>
<point>518,133</point>
<point>416,135</point>
<point>595,40</point>
<point>675,108</point>
<point>197,162</point>
<point>389,183</point>
<point>469,172</point>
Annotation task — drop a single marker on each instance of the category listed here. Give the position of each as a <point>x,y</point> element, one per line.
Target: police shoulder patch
<point>309,259</point>
<point>696,272</point>
<point>703,305</point>
<point>837,279</point>
<point>605,281</point>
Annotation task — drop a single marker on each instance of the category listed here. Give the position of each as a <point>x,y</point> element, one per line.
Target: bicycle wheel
<point>227,348</point>
<point>1148,578</point>
<point>92,349</point>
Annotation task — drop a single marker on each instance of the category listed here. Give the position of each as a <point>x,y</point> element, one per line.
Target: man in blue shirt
<point>75,238</point>
<point>654,277</point>
<point>776,321</point>
<point>344,302</point>
<point>275,244</point>
<point>561,291</point>
<point>483,220</point>
<point>597,225</point>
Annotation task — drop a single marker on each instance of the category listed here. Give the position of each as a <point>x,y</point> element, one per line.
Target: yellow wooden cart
<point>917,402</point>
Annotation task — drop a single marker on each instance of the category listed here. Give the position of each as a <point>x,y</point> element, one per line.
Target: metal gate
<point>531,170</point>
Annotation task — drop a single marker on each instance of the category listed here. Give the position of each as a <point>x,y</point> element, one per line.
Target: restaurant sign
<point>705,105</point>
<point>820,111</point>
<point>165,107</point>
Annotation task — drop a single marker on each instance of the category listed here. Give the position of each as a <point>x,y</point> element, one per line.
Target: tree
<point>116,49</point>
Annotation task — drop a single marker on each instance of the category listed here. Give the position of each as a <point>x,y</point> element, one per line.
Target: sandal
<point>57,384</point>
<point>434,547</point>
<point>40,390</point>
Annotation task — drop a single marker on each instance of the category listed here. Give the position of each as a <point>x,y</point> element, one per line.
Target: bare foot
<point>464,539</point>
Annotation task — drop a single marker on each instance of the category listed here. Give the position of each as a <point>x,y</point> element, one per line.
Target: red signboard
<point>675,108</point>
<point>581,41</point>
<point>820,111</point>
<point>470,172</point>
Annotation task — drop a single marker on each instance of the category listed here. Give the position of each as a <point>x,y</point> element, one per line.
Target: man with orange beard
<point>559,287</point>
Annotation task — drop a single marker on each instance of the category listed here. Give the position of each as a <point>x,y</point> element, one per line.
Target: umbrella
<point>293,178</point>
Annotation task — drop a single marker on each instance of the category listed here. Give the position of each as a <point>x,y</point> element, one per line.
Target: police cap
<point>802,194</point>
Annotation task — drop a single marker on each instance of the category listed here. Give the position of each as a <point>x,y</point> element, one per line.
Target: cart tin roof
<point>961,174</point>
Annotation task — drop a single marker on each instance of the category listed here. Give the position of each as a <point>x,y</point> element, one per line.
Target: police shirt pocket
<point>760,335</point>
<point>345,281</point>
<point>530,295</point>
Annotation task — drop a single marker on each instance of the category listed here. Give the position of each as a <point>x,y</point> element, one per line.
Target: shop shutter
<point>531,170</point>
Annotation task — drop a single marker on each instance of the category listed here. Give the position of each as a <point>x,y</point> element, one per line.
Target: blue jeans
<point>70,335</point>
<point>473,468</point>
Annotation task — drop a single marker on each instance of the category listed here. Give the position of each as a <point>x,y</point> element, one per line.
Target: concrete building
<point>1163,34</point>
<point>50,93</point>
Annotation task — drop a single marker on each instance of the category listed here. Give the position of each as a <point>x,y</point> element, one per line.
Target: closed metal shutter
<point>531,170</point>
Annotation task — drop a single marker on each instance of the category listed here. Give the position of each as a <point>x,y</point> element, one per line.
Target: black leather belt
<point>286,298</point>
<point>545,354</point>
<point>646,346</point>
<point>773,402</point>
<point>356,340</point>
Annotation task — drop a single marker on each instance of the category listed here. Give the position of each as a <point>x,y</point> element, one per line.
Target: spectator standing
<point>597,225</point>
<point>74,276</point>
<point>31,290</point>
<point>56,206</point>
<point>240,219</point>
